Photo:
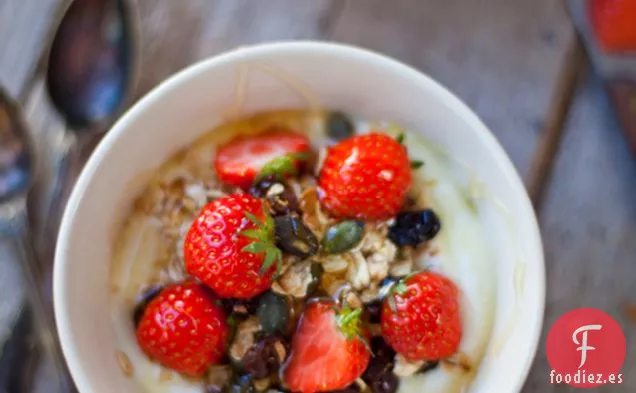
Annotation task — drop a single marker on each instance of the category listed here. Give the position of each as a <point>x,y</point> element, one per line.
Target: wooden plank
<point>500,56</point>
<point>177,33</point>
<point>558,110</point>
<point>23,25</point>
<point>589,227</point>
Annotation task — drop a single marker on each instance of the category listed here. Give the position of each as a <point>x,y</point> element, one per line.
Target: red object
<point>365,177</point>
<point>421,317</point>
<point>215,247</point>
<point>327,353</point>
<point>614,24</point>
<point>184,329</point>
<point>238,162</point>
<point>586,348</point>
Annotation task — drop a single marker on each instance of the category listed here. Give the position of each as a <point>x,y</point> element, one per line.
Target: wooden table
<point>500,56</point>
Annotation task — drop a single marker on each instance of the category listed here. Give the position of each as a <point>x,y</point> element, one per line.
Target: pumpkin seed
<point>342,237</point>
<point>293,236</point>
<point>339,126</point>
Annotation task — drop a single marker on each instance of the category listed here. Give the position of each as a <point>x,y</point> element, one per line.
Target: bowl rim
<point>121,126</point>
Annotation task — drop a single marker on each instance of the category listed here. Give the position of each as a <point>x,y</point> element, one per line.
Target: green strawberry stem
<point>397,288</point>
<point>264,241</point>
<point>415,164</point>
<point>282,167</point>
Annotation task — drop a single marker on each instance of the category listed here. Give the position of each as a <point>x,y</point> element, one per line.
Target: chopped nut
<point>220,376</point>
<point>165,375</point>
<point>275,189</point>
<point>281,352</point>
<point>313,216</point>
<point>335,263</point>
<point>404,265</point>
<point>124,363</point>
<point>358,272</point>
<point>197,194</point>
<point>370,294</point>
<point>335,286</point>
<point>353,300</point>
<point>262,384</point>
<point>244,338</point>
<point>296,281</point>
<point>404,368</point>
<point>401,268</point>
<point>458,361</point>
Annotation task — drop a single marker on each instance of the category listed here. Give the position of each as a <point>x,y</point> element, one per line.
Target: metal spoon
<point>16,177</point>
<point>91,73</point>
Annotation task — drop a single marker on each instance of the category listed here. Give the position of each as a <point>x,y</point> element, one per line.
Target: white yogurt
<point>464,255</point>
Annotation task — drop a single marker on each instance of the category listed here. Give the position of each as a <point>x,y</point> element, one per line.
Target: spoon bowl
<point>90,62</point>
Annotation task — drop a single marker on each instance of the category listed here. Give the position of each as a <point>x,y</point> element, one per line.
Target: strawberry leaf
<point>400,138</point>
<point>255,220</point>
<point>256,234</point>
<point>348,320</point>
<point>280,167</point>
<point>415,164</point>
<point>272,255</point>
<point>400,288</point>
<point>256,248</point>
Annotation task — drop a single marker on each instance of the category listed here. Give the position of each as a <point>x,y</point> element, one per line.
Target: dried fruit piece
<point>414,227</point>
<point>264,357</point>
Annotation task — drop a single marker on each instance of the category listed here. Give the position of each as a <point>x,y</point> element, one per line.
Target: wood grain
<point>558,111</point>
<point>502,57</point>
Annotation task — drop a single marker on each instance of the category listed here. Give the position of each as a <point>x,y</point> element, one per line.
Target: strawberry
<point>230,247</point>
<point>420,317</point>
<point>365,177</point>
<point>184,329</point>
<point>328,350</point>
<point>240,161</point>
<point>614,23</point>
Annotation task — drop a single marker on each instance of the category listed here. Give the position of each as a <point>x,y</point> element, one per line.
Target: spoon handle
<point>39,299</point>
<point>19,349</point>
<point>65,161</point>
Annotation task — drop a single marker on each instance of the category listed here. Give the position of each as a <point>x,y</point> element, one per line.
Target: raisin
<point>265,357</point>
<point>413,228</point>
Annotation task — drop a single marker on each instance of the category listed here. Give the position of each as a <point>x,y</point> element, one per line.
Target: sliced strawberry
<point>328,349</point>
<point>242,159</point>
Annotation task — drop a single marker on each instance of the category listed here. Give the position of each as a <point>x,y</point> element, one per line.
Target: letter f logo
<point>583,346</point>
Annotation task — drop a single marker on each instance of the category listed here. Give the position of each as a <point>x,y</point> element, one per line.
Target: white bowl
<point>190,103</point>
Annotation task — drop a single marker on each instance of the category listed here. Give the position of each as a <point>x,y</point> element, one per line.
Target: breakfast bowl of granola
<point>299,217</point>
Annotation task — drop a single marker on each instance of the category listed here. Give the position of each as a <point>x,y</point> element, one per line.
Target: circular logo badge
<point>586,348</point>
